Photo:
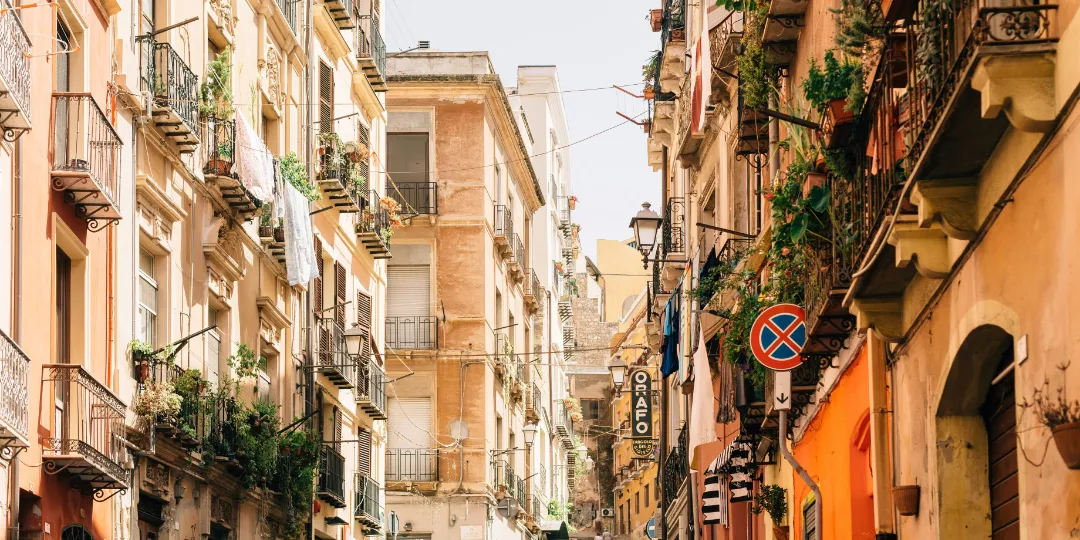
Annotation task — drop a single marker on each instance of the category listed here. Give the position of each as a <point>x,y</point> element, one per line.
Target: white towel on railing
<point>254,162</point>
<point>299,242</point>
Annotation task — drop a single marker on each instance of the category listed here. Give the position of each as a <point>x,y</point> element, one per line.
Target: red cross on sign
<point>778,336</point>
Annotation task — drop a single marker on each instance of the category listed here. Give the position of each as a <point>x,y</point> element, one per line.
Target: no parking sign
<point>778,336</point>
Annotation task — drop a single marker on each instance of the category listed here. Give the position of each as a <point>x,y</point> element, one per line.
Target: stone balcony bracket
<point>673,67</point>
<point>1021,86</point>
<point>950,203</point>
<point>926,247</point>
<point>883,315</point>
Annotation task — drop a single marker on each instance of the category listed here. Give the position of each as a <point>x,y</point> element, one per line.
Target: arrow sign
<point>782,390</point>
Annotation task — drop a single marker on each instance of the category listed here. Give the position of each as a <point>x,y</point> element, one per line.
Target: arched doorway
<point>976,458</point>
<point>76,532</point>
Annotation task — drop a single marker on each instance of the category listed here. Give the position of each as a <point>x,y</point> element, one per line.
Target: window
<point>326,98</point>
<point>146,323</point>
<point>63,307</point>
<point>213,346</point>
<point>407,156</point>
<point>498,183</point>
<point>148,10</point>
<point>809,523</point>
<point>637,502</point>
<point>590,409</point>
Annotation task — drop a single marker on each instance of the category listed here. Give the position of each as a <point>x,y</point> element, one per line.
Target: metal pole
<point>802,473</point>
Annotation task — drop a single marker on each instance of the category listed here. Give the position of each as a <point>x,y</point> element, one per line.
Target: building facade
<point>208,254</point>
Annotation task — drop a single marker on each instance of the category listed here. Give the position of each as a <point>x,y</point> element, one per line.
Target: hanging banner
<point>641,414</point>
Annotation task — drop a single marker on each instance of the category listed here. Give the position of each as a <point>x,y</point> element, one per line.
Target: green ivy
<point>295,475</point>
<point>757,78</point>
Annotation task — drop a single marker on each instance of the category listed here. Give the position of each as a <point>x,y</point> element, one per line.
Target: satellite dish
<point>459,430</point>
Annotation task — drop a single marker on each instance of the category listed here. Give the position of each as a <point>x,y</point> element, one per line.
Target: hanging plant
<point>1060,415</point>
<point>757,78</point>
<point>295,173</point>
<point>158,402</point>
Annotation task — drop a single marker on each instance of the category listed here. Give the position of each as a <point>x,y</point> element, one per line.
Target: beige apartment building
<point>197,265</point>
<point>468,434</point>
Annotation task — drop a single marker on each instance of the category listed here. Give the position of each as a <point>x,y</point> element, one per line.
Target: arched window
<point>76,532</point>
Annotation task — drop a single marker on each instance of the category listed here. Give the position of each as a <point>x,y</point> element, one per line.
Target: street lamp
<point>618,374</point>
<point>529,431</point>
<point>645,225</point>
<point>354,342</point>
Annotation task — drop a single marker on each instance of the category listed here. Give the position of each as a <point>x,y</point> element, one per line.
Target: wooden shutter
<point>363,309</point>
<point>363,453</point>
<point>338,435</point>
<point>326,98</point>
<point>341,287</point>
<point>809,520</point>
<point>407,422</point>
<point>317,303</point>
<point>999,414</point>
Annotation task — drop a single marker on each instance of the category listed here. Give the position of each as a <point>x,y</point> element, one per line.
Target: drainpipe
<point>16,323</point>
<point>802,473</point>
<point>309,151</point>
<point>879,439</point>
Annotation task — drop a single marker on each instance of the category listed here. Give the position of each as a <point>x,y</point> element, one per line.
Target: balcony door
<point>407,440</point>
<point>62,311</point>
<point>408,299</point>
<point>61,83</point>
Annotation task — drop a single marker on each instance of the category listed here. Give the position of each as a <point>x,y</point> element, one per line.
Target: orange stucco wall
<point>835,450</point>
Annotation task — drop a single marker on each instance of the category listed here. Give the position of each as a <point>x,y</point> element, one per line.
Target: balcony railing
<point>85,152</point>
<point>533,292</point>
<point>332,477</point>
<point>341,11</point>
<point>412,465</point>
<point>368,511</point>
<point>373,228</point>
<point>223,433</point>
<point>290,10</point>
<point>504,354</point>
<point>403,333</point>
<point>175,90</point>
<point>673,24</point>
<point>516,263</point>
<point>416,198</point>
<point>564,425</point>
<point>342,182</point>
<point>675,467</point>
<point>14,73</point>
<point>87,434</point>
<point>371,51</point>
<point>371,390</point>
<point>533,405</point>
<point>504,225</point>
<point>191,425</point>
<point>14,393</point>
<point>334,359</point>
<point>674,214</point>
<point>562,207</point>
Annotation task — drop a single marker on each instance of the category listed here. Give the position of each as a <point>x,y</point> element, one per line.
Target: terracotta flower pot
<point>906,499</point>
<point>812,180</point>
<point>656,19</point>
<point>1067,439</point>
<point>265,231</point>
<point>837,123</point>
<point>218,167</point>
<point>649,92</point>
<point>780,532</point>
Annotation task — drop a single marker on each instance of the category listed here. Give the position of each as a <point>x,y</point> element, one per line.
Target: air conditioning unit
<point>607,512</point>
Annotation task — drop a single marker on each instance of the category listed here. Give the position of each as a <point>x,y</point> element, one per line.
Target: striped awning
<point>729,476</point>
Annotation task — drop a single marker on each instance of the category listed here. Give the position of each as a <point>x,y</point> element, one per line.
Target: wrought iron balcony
<point>412,465</point>
<point>516,263</point>
<point>85,151</point>
<point>174,88</point>
<point>341,11</point>
<point>368,511</point>
<point>371,390</point>
<point>334,359</point>
<point>332,477</point>
<point>504,354</point>
<point>342,182</point>
<point>86,437</point>
<point>373,229</point>
<point>752,137</point>
<point>674,241</point>
<point>564,425</point>
<point>190,426</point>
<point>14,394</point>
<point>673,22</point>
<point>675,467</point>
<point>411,333</point>
<point>724,40</point>
<point>533,405</point>
<point>504,227</point>
<point>14,74</point>
<point>562,207</point>
<point>290,11</point>
<point>416,198</point>
<point>533,292</point>
<point>371,51</point>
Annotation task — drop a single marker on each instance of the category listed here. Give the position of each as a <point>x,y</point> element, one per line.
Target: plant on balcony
<point>244,362</point>
<point>1060,415</point>
<point>255,442</point>
<point>835,90</point>
<point>573,408</point>
<point>651,70</point>
<point>773,500</point>
<point>157,403</point>
<point>215,95</point>
<point>266,221</point>
<point>298,455</point>
<point>293,171</point>
<point>757,78</point>
<point>334,162</point>
<point>860,27</point>
<point>934,15</point>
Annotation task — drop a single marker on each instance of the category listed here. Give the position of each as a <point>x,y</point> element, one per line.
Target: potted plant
<point>656,19</point>
<point>279,231</point>
<point>266,220</point>
<point>773,499</point>
<point>906,499</point>
<point>650,71</point>
<point>293,171</point>
<point>157,403</point>
<point>572,201</point>
<point>831,90</point>
<point>221,162</point>
<point>141,356</point>
<point>1062,416</point>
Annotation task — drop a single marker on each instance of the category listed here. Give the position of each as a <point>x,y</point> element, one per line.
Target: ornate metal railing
<point>673,24</point>
<point>289,9</point>
<point>218,136</point>
<point>334,359</point>
<point>504,221</point>
<point>673,238</point>
<point>562,207</point>
<point>517,250</point>
<point>532,283</point>
<point>14,390</point>
<point>332,476</point>
<point>171,82</point>
<point>84,142</point>
<point>412,464</point>
<point>87,426</point>
<point>412,332</point>
<point>564,422</point>
<point>222,430</point>
<point>14,67</point>
<point>368,509</point>
<point>371,389</point>
<point>540,479</point>
<point>416,198</point>
<point>192,424</point>
<point>675,467</point>
<point>504,351</point>
<point>371,50</point>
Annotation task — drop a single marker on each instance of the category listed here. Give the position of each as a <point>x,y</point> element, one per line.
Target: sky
<point>594,43</point>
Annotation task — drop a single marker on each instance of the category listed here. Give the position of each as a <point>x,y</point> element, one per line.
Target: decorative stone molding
<point>949,202</point>
<point>272,322</point>
<point>156,211</point>
<point>156,479</point>
<point>663,124</point>
<point>926,247</point>
<point>1021,86</point>
<point>672,66</point>
<point>270,77</point>
<point>223,250</point>
<point>222,11</point>
<point>222,511</point>
<point>883,315</point>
